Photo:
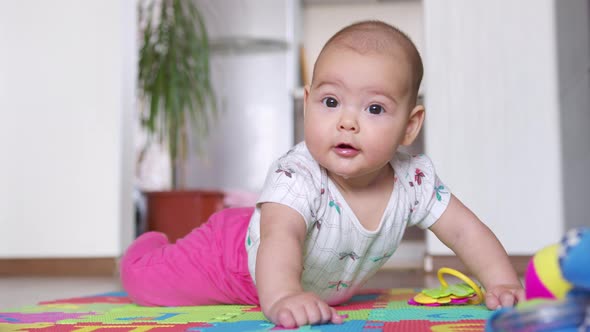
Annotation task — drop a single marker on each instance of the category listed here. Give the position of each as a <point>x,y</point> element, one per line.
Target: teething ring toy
<point>445,270</point>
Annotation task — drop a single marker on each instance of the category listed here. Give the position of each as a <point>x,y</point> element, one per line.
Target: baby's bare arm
<point>481,251</point>
<point>279,265</point>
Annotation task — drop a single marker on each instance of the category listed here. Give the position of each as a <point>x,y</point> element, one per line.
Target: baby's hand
<point>504,296</point>
<point>302,309</point>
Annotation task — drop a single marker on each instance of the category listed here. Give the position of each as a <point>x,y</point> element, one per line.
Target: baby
<point>334,208</point>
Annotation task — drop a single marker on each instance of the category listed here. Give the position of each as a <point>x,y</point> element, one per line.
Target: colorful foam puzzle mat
<point>375,311</point>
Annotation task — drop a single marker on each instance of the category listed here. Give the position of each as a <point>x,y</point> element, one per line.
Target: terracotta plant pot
<point>176,213</point>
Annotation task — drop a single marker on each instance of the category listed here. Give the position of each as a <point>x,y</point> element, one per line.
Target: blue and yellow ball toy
<point>543,278</point>
<point>557,285</point>
<point>556,270</point>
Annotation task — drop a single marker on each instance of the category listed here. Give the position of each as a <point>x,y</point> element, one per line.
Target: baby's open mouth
<point>346,150</point>
<point>345,146</point>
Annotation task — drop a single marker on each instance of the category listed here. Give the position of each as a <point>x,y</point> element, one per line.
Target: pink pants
<point>208,266</point>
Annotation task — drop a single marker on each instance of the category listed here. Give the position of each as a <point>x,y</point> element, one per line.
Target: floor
<point>20,291</point>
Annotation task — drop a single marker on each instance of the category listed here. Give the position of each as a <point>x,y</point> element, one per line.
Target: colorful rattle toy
<point>557,285</point>
<point>467,292</point>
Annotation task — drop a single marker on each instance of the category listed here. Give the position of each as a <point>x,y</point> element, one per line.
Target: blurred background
<point>506,88</point>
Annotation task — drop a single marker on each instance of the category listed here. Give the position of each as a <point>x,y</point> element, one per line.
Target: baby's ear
<point>415,121</point>
<point>306,90</point>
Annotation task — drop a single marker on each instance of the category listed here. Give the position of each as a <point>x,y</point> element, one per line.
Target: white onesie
<point>339,253</point>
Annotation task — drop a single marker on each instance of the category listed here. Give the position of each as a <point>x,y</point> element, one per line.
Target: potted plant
<point>178,104</point>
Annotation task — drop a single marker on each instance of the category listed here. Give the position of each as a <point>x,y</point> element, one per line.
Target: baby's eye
<point>375,109</point>
<point>330,102</point>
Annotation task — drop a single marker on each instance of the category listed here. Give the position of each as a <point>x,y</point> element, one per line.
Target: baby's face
<point>357,110</point>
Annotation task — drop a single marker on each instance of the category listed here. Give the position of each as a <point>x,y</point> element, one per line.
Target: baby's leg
<point>144,245</point>
<point>195,270</point>
<point>145,249</point>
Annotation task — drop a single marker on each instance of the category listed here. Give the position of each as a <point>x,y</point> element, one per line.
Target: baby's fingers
<point>336,318</point>
<point>492,301</point>
<point>286,319</point>
<point>507,299</point>
<point>503,298</point>
<point>314,314</point>
<point>520,295</point>
<point>304,315</point>
<point>325,313</point>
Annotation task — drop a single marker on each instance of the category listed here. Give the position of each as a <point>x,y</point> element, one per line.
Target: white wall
<point>323,20</point>
<point>66,100</point>
<point>499,111</point>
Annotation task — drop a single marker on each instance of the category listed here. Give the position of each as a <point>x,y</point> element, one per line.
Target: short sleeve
<point>291,181</point>
<point>429,197</point>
